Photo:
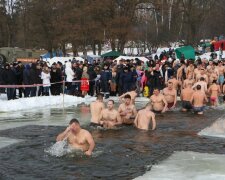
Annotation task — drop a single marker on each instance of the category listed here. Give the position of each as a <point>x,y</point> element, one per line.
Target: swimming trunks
<point>169,105</point>
<point>186,105</point>
<point>221,79</point>
<point>198,109</point>
<point>213,99</point>
<point>157,112</point>
<point>95,125</point>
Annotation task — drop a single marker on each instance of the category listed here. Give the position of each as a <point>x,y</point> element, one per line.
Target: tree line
<point>51,24</point>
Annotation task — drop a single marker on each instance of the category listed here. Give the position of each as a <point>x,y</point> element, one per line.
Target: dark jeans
<point>27,92</point>
<point>10,93</point>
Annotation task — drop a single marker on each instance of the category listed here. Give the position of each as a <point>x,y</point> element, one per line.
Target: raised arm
<point>63,135</point>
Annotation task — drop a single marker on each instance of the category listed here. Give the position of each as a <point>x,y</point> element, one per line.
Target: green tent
<point>188,51</point>
<point>111,54</point>
<point>205,44</point>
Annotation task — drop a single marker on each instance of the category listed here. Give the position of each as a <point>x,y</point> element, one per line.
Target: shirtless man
<point>190,70</point>
<point>158,101</point>
<point>198,99</point>
<point>185,97</point>
<point>202,75</point>
<point>110,117</point>
<point>77,137</point>
<point>96,108</point>
<point>181,72</point>
<point>197,71</point>
<point>187,81</point>
<point>170,95</point>
<point>127,110</point>
<point>133,95</point>
<point>221,70</point>
<point>175,82</point>
<point>203,85</point>
<point>214,91</point>
<point>144,117</point>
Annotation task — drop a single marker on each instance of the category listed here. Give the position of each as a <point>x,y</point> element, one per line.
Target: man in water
<point>144,117</point>
<point>77,137</point>
<point>170,95</point>
<point>133,95</point>
<point>185,97</point>
<point>110,117</point>
<point>158,101</point>
<point>127,110</point>
<point>96,108</point>
<point>198,99</point>
<point>202,84</point>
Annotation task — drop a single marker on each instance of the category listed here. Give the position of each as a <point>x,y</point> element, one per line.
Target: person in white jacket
<point>69,76</point>
<point>45,76</point>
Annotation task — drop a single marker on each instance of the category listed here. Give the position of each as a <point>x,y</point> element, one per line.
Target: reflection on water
<point>123,153</point>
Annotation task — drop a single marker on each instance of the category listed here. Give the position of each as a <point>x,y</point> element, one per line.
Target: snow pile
<point>208,57</point>
<point>188,165</point>
<point>42,102</point>
<point>144,59</point>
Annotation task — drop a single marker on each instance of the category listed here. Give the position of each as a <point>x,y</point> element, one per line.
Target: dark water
<point>126,153</point>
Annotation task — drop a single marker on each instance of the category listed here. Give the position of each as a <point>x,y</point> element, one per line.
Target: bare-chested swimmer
<point>145,117</point>
<point>127,110</point>
<point>77,137</point>
<point>110,117</point>
<point>185,97</point>
<point>133,95</point>
<point>96,108</point>
<point>170,95</point>
<point>158,101</point>
<point>198,98</point>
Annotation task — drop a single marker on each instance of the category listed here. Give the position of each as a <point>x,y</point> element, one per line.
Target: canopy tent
<point>207,44</point>
<point>111,54</point>
<point>144,59</point>
<point>62,60</point>
<point>187,51</point>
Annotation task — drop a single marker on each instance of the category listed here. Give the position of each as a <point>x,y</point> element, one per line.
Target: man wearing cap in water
<point>77,137</point>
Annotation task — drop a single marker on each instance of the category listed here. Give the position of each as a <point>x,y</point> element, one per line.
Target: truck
<point>11,54</point>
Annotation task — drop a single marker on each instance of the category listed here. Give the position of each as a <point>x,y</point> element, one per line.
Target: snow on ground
<point>41,102</point>
<point>207,55</point>
<point>188,165</point>
<point>50,61</point>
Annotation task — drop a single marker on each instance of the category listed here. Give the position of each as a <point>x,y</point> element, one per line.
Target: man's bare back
<point>144,118</point>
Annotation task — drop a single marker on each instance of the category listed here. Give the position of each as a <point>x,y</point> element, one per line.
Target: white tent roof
<point>144,59</point>
<point>62,59</point>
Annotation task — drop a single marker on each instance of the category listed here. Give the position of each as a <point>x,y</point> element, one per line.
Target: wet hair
<point>99,96</point>
<point>74,120</point>
<point>214,81</point>
<point>198,87</point>
<point>127,96</point>
<point>111,101</point>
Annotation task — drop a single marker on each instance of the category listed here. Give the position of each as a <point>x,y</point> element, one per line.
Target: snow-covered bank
<point>41,102</point>
<point>188,165</point>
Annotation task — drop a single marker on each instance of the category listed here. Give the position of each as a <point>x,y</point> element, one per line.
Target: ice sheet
<point>188,165</point>
<point>217,129</point>
<point>7,141</point>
